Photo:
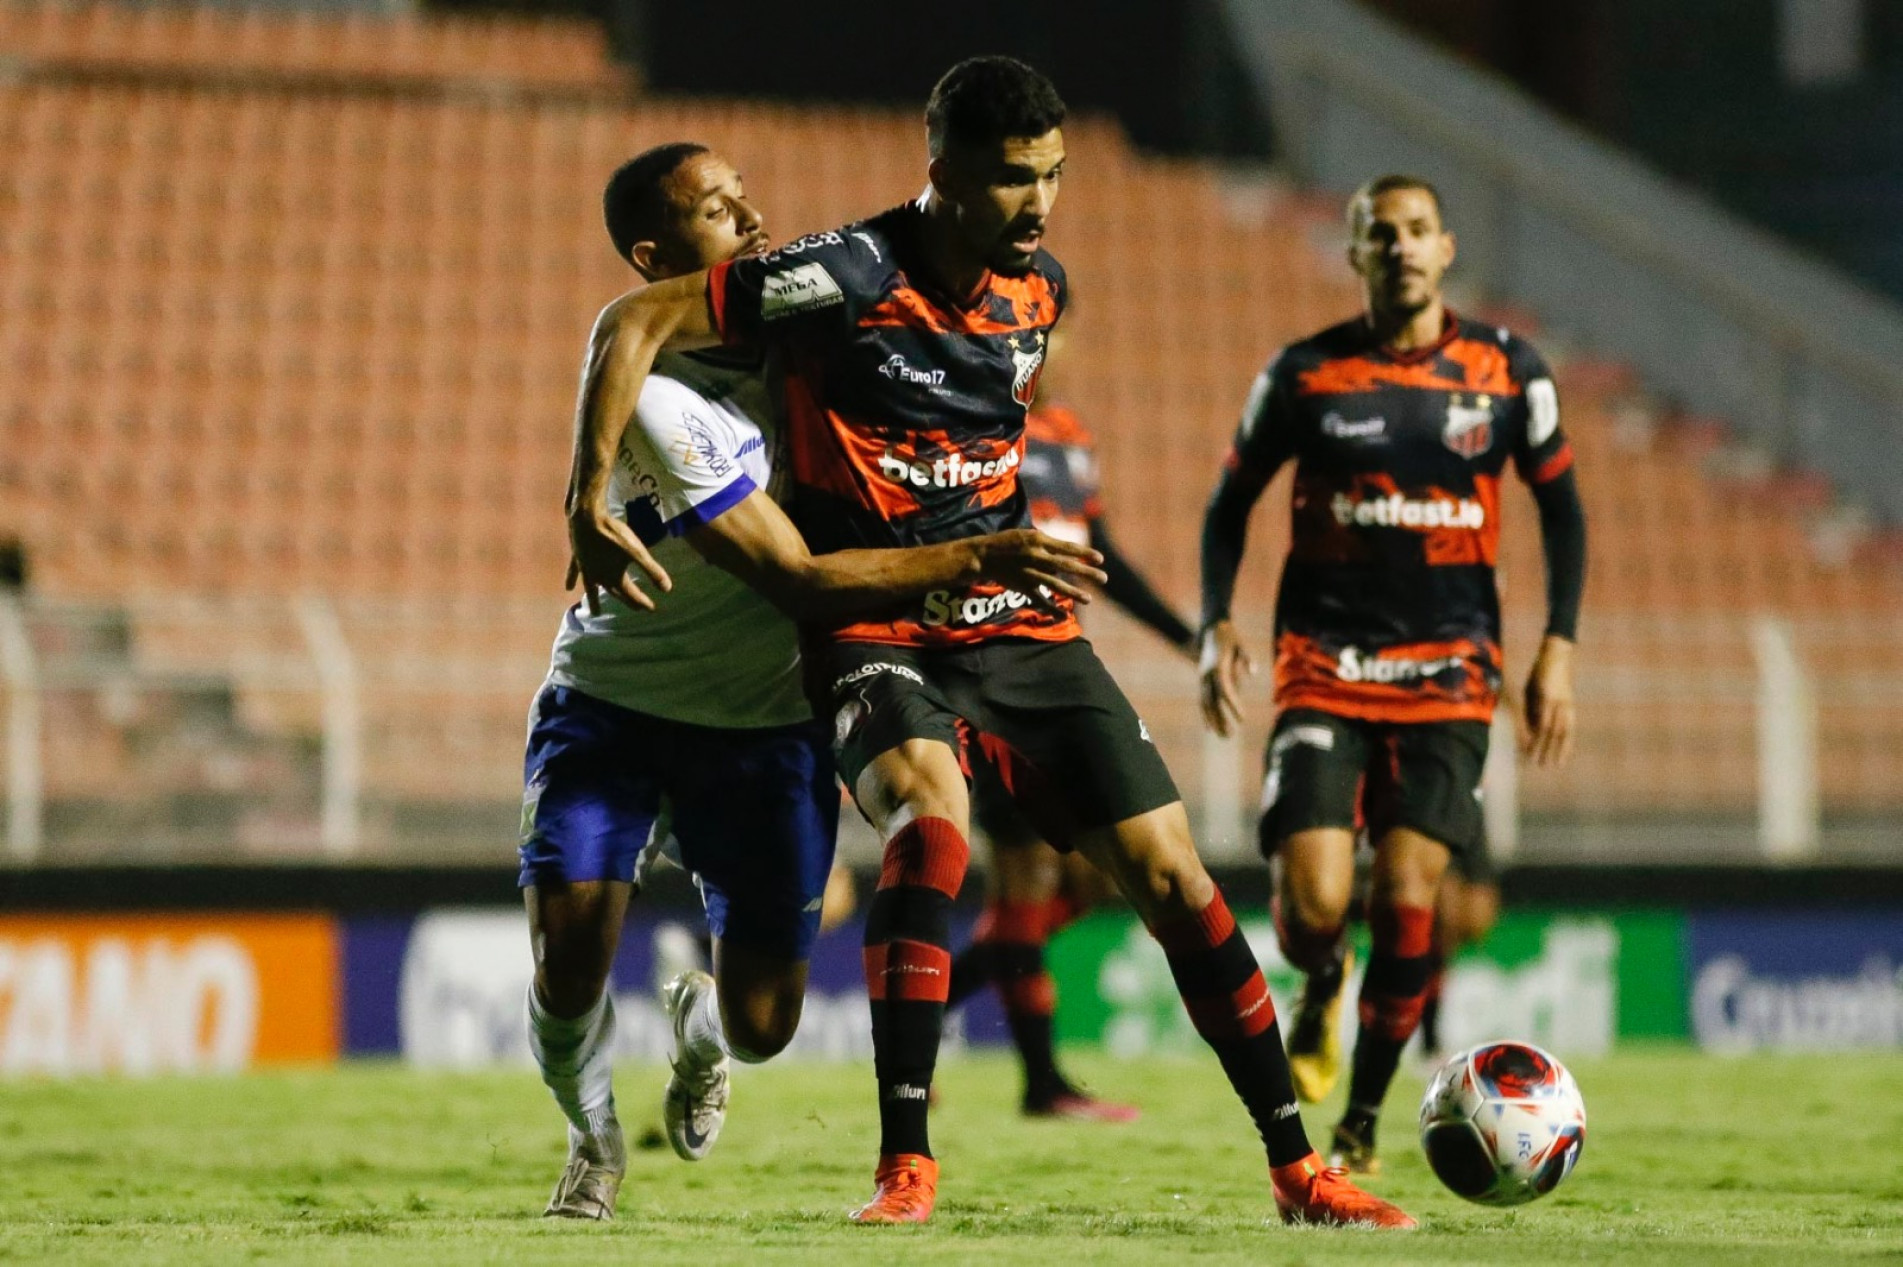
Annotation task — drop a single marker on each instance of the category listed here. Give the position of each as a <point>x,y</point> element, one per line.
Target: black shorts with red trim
<point>1326,770</point>
<point>1057,730</point>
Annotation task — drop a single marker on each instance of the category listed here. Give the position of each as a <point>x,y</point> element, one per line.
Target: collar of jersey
<point>1450,330</point>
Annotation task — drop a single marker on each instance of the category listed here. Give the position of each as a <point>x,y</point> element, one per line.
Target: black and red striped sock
<point>973,968</point>
<point>1430,1003</point>
<point>1018,931</point>
<point>1392,994</point>
<point>908,972</point>
<point>1229,1003</point>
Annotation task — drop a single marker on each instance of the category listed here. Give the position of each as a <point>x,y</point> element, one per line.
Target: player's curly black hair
<point>634,205</point>
<point>984,100</point>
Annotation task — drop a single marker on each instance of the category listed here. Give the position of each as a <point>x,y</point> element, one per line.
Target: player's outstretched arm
<point>755,541</point>
<point>621,350</point>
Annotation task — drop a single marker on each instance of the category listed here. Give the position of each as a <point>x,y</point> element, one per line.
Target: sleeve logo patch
<point>1542,401</point>
<point>798,289</point>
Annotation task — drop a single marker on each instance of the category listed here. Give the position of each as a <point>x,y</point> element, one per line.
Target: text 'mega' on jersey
<point>905,408</point>
<point>1388,607</point>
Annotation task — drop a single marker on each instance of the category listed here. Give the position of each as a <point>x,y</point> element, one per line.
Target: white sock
<point>706,1040</point>
<point>577,1062</point>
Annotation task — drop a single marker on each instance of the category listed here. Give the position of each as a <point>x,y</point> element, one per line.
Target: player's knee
<point>1473,916</point>
<point>761,1027</point>
<point>1172,879</point>
<point>916,780</point>
<point>1314,904</point>
<point>568,990</point>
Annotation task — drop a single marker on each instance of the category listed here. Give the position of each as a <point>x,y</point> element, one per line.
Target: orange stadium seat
<point>297,342</point>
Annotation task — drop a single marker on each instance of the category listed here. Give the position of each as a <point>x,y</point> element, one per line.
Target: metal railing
<point>328,730</point>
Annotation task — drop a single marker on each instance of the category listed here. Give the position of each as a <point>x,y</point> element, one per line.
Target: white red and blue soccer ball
<point>1502,1123</point>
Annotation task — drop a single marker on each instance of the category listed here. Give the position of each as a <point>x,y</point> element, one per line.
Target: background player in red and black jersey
<point>1036,891</point>
<point>909,346</point>
<point>1400,423</point>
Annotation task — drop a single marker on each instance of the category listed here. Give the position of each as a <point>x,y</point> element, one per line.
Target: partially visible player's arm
<point>1129,589</point>
<point>1549,688</point>
<point>755,541</point>
<point>1545,461</point>
<point>1262,445</point>
<point>621,350</point>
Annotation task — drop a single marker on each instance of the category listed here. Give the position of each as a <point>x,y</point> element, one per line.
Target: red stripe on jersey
<point>1557,465</point>
<point>717,298</point>
<point>1484,369</point>
<point>907,307</point>
<point>821,461</point>
<point>1310,675</point>
<point>941,621</point>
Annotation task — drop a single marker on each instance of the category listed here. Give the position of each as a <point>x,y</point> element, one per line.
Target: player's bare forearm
<point>621,350</point>
<point>627,336</point>
<point>756,542</point>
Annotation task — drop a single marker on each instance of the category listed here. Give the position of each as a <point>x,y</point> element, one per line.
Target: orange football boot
<point>908,1185</point>
<point>1308,1192</point>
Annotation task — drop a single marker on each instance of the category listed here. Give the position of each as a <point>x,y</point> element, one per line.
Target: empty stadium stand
<point>270,329</point>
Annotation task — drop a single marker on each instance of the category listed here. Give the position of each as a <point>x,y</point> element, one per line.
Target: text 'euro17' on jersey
<point>904,407</point>
<point>1388,608</point>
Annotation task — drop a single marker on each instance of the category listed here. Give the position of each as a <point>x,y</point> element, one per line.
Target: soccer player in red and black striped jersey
<point>1036,891</point>
<point>909,347</point>
<point>1400,423</point>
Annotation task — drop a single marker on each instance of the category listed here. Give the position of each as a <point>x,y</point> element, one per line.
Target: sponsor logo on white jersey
<point>944,607</point>
<point>700,445</point>
<point>1396,511</point>
<point>895,368</point>
<point>1357,666</point>
<point>799,289</point>
<point>951,471</point>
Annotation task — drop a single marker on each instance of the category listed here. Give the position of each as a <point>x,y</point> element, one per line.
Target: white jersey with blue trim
<point>713,653</point>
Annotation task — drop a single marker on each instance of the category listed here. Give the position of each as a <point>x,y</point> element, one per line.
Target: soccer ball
<point>1503,1123</point>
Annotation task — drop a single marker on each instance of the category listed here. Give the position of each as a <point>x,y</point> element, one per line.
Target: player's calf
<point>1393,993</point>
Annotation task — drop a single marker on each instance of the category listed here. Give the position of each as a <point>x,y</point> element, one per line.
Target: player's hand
<point>1030,561</point>
<point>1548,733</point>
<point>601,550</point>
<point>1223,665</point>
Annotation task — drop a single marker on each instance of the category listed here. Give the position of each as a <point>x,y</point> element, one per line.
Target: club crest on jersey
<point>1469,429</point>
<point>1027,362</point>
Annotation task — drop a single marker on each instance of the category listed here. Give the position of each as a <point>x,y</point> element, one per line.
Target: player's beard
<point>1007,262</point>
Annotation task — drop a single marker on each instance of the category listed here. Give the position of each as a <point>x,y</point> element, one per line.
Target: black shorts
<point>1058,732</point>
<point>1330,771</point>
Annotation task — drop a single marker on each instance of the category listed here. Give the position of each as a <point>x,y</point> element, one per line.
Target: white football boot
<point>590,1181</point>
<point>695,1104</point>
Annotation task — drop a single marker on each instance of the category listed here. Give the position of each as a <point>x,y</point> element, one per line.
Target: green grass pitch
<point>1688,1159</point>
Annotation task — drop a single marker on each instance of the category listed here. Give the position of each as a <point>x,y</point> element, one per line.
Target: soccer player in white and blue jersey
<point>693,696</point>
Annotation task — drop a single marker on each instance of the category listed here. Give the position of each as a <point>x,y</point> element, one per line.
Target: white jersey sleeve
<point>683,461</point>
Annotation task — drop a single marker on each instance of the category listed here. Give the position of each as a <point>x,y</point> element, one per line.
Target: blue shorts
<point>756,811</point>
